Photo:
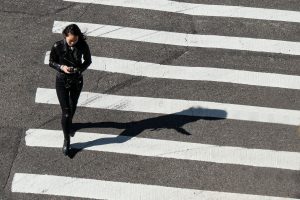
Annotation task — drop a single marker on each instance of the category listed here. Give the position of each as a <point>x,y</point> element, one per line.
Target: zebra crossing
<point>270,164</point>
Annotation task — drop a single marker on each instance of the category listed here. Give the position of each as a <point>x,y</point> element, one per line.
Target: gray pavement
<point>26,35</point>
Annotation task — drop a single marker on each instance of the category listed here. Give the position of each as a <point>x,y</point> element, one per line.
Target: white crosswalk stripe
<point>153,70</point>
<point>203,9</point>
<point>41,182</point>
<point>98,189</point>
<point>167,149</point>
<point>183,39</point>
<point>176,106</point>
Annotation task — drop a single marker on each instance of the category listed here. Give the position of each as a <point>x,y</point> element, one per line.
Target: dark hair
<point>74,30</point>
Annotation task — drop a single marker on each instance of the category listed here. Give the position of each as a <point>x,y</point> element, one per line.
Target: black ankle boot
<point>66,147</point>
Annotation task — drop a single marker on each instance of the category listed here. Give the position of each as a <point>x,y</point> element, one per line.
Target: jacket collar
<point>65,46</point>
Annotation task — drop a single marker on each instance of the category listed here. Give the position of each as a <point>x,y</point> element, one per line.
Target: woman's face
<point>71,39</point>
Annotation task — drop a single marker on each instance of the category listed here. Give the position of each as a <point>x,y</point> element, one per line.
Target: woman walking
<point>66,57</point>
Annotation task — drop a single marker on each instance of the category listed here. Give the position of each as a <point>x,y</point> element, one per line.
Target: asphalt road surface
<point>183,100</point>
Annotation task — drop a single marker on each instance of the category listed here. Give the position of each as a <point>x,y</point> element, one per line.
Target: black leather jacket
<point>61,54</point>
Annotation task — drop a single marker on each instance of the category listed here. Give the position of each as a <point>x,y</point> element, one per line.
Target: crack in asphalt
<point>174,57</point>
<point>124,84</point>
<point>178,151</point>
<point>23,13</point>
<point>85,9</point>
<point>57,116</point>
<point>181,11</point>
<point>63,9</point>
<point>116,29</point>
<point>56,11</point>
<point>114,89</point>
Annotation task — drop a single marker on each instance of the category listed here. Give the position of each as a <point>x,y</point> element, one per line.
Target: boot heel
<point>66,147</point>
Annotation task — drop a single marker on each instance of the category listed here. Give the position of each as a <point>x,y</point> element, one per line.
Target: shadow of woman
<point>174,121</point>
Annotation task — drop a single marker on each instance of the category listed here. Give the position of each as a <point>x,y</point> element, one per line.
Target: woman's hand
<point>65,68</point>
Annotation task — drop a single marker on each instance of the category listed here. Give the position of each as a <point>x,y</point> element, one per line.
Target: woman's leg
<point>74,96</point>
<point>63,97</point>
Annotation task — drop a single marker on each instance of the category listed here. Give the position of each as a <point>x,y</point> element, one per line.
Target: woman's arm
<point>86,57</point>
<point>54,59</point>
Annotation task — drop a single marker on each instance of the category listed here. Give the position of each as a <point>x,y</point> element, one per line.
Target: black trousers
<point>68,98</point>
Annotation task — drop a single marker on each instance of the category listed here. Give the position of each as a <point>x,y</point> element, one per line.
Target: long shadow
<point>174,121</point>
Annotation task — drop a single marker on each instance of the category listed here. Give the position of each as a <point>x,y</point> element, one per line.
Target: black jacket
<point>61,54</point>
